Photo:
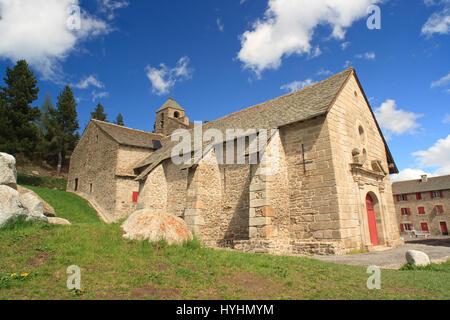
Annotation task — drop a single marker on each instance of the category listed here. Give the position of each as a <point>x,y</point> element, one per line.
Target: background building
<point>423,205</point>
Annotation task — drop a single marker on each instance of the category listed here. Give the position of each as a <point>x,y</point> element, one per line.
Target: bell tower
<point>170,117</point>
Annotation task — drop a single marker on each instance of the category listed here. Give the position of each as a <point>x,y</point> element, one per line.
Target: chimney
<point>424,178</point>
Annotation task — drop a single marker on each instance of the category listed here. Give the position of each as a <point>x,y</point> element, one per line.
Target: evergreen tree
<point>63,125</point>
<point>46,107</point>
<point>119,120</point>
<point>18,131</point>
<point>99,113</point>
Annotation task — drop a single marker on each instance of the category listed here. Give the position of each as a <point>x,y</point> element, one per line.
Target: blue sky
<point>218,56</point>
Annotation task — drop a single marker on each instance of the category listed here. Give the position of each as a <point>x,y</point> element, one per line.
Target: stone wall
<point>431,216</point>
<point>314,211</point>
<point>125,186</point>
<point>153,191</point>
<point>176,188</point>
<point>93,163</point>
<point>352,126</point>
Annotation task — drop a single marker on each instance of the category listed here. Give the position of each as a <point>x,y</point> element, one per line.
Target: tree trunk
<point>58,169</point>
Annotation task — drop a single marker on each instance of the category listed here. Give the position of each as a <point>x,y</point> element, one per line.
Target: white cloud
<point>441,82</point>
<point>109,6</point>
<point>287,28</point>
<point>88,81</point>
<point>37,30</point>
<point>345,45</point>
<point>297,85</point>
<point>409,174</point>
<point>438,156</point>
<point>220,25</point>
<point>367,55</point>
<point>439,23</point>
<point>446,118</point>
<point>163,79</point>
<point>98,95</point>
<point>396,121</point>
<point>323,72</point>
<point>348,64</point>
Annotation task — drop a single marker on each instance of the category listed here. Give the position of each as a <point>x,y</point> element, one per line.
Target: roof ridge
<point>128,128</point>
<point>418,179</point>
<point>283,96</point>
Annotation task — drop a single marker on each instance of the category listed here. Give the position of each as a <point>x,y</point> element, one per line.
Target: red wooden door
<point>444,228</point>
<point>372,221</point>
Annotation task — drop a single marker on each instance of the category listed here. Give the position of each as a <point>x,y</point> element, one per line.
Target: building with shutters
<point>423,204</point>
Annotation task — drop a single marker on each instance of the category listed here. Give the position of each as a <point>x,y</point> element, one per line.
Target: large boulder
<point>154,225</point>
<point>11,207</point>
<point>417,258</point>
<point>8,173</point>
<point>48,209</point>
<point>34,206</point>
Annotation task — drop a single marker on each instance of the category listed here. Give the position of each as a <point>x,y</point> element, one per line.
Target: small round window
<point>176,114</point>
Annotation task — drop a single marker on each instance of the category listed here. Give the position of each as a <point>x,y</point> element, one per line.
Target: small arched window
<point>176,114</point>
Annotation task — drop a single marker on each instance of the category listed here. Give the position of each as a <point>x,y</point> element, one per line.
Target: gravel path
<point>437,249</point>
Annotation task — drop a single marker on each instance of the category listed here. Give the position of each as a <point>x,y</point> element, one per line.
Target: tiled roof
<point>414,186</point>
<point>301,105</point>
<point>171,104</point>
<point>130,137</point>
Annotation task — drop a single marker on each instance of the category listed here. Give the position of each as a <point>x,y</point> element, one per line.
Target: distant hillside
<point>38,167</point>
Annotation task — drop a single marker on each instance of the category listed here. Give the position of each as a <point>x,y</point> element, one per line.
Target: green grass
<point>44,182</point>
<point>114,268</point>
<point>67,205</point>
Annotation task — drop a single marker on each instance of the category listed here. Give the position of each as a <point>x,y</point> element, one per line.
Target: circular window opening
<point>176,114</point>
<point>356,94</point>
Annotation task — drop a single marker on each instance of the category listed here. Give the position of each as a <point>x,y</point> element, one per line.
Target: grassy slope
<point>113,268</point>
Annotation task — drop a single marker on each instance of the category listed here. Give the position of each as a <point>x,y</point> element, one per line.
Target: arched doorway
<point>370,205</point>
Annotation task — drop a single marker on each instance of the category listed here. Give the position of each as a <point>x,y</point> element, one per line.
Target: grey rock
<point>49,211</point>
<point>11,207</point>
<point>8,173</point>
<point>34,206</point>
<point>417,258</point>
<point>59,221</point>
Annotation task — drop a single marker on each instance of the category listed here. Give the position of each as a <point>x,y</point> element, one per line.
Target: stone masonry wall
<point>314,211</point>
<point>125,186</point>
<point>349,113</point>
<point>93,163</point>
<point>153,191</point>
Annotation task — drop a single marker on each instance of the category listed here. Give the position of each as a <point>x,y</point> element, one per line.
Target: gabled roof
<point>171,104</point>
<point>129,137</point>
<point>414,186</point>
<point>301,105</point>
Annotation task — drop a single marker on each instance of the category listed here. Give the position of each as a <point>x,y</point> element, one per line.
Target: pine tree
<point>19,134</point>
<point>46,107</point>
<point>119,120</point>
<point>99,113</point>
<point>64,120</point>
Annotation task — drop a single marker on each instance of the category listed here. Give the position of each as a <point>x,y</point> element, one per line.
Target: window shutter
<point>440,193</point>
<point>441,209</point>
<point>135,197</point>
<point>421,210</point>
<point>405,197</point>
<point>432,195</point>
<point>402,227</point>
<point>418,196</point>
<point>398,198</point>
<point>409,211</point>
